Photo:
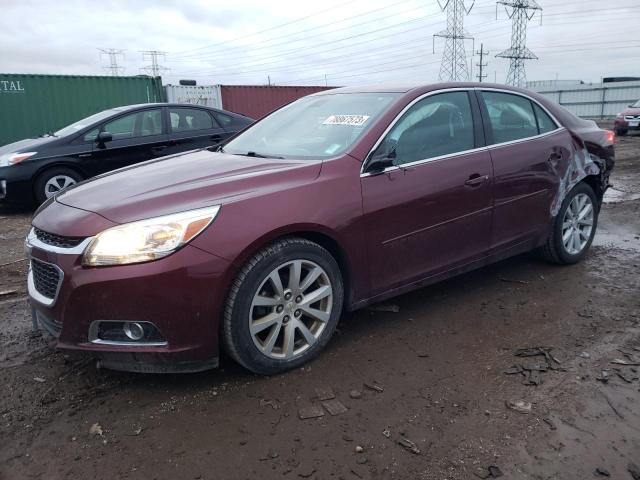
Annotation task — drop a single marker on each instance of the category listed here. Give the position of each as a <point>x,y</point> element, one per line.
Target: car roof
<point>410,87</point>
<point>125,108</point>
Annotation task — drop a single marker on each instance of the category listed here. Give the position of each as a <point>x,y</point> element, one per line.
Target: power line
<point>332,8</point>
<point>481,65</point>
<point>113,55</point>
<point>278,59</point>
<point>521,12</point>
<point>155,69</point>
<point>265,44</point>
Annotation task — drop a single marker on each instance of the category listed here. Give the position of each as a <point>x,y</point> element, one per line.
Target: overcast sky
<point>299,42</point>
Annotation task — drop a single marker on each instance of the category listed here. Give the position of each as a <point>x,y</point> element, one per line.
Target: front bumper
<point>182,295</point>
<point>627,124</point>
<point>16,184</point>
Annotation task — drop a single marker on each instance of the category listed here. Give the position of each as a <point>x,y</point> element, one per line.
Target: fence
<point>595,100</point>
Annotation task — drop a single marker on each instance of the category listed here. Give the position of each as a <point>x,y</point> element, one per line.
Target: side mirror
<point>377,165</point>
<point>104,137</point>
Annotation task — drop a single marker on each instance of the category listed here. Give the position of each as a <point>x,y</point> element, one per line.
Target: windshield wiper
<point>260,155</point>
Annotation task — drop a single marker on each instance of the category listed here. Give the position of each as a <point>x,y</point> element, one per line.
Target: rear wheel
<point>574,227</point>
<point>53,181</point>
<point>283,306</point>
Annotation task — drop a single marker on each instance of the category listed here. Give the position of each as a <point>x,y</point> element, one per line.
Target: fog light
<point>125,333</point>
<point>133,330</point>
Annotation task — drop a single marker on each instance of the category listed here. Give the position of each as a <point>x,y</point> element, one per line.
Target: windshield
<point>85,122</point>
<point>313,127</point>
<point>637,104</point>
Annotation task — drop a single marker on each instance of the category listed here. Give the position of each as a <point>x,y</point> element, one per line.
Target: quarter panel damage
<point>582,163</point>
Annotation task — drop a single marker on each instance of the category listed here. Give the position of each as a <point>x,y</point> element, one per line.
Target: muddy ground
<point>440,411</point>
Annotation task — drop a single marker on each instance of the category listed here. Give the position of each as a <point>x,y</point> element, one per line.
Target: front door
<point>431,211</point>
<point>136,137</point>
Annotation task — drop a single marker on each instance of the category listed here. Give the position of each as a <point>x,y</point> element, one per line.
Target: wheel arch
<point>323,236</point>
<point>64,163</point>
<point>595,182</point>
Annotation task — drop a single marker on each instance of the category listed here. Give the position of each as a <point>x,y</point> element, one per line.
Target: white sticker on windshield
<point>353,120</point>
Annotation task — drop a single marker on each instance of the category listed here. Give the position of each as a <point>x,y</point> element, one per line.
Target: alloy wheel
<point>577,224</point>
<point>290,309</point>
<point>57,184</point>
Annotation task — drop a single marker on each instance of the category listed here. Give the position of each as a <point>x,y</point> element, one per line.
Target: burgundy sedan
<point>338,200</point>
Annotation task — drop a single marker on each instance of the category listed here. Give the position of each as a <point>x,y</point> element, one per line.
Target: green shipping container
<point>31,105</point>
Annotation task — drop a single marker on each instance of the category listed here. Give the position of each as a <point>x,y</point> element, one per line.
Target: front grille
<point>632,117</point>
<point>57,240</point>
<point>46,278</point>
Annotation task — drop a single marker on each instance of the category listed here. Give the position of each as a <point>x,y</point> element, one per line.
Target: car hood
<point>185,182</point>
<point>631,111</point>
<point>27,145</point>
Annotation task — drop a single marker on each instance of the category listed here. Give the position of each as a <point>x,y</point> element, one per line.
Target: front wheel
<point>574,227</point>
<point>621,132</point>
<point>53,181</point>
<point>283,306</point>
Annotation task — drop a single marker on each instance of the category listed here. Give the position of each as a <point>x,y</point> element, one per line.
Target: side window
<point>189,119</point>
<point>438,125</point>
<point>139,124</point>
<point>545,123</point>
<point>511,116</point>
<point>224,120</point>
<point>122,127</point>
<point>91,135</point>
<point>150,122</point>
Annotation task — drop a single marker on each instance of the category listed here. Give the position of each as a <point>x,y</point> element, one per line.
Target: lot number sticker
<point>353,120</point>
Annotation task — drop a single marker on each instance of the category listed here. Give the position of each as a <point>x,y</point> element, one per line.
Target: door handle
<point>476,179</point>
<point>158,148</point>
<point>84,155</point>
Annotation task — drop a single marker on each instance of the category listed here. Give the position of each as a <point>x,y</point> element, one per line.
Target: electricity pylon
<point>520,12</point>
<point>454,59</point>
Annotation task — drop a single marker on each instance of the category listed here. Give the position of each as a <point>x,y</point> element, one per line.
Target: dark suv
<point>35,169</point>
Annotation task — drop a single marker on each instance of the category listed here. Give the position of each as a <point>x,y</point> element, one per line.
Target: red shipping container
<point>258,100</point>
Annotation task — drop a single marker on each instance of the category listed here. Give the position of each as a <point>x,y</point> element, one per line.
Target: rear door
<point>527,148</point>
<point>137,136</point>
<point>191,128</point>
<point>431,211</point>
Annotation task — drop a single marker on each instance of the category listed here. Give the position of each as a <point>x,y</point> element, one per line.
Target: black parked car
<point>35,169</point>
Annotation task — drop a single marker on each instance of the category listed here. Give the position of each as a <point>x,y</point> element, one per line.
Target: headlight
<point>619,115</point>
<point>147,240</point>
<point>12,158</point>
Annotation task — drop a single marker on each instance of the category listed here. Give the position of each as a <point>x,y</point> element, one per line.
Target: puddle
<point>617,194</point>
<point>626,240</point>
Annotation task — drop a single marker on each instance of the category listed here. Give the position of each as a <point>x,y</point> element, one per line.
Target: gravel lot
<point>425,387</point>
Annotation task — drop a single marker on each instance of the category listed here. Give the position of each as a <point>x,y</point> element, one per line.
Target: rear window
<point>545,122</point>
<point>189,119</point>
<point>511,116</point>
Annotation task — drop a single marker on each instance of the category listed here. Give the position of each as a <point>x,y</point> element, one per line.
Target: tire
<point>621,132</point>
<point>556,249</point>
<point>264,351</point>
<point>42,188</point>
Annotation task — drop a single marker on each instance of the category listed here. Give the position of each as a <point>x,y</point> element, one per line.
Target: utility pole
<point>520,12</point>
<point>481,65</point>
<point>113,55</point>
<point>454,59</point>
<point>155,69</point>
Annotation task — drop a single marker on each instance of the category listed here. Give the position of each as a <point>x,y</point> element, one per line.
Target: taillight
<point>611,136</point>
